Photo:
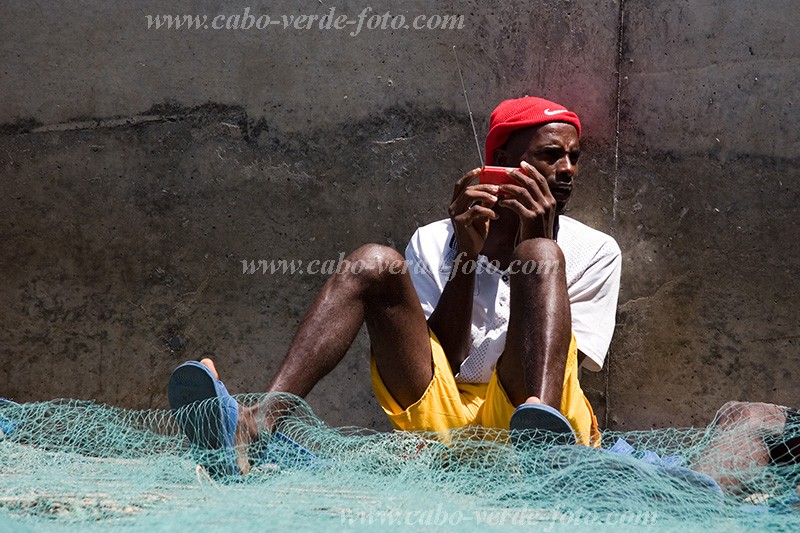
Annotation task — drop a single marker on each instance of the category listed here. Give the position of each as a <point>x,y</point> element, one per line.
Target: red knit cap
<point>521,113</point>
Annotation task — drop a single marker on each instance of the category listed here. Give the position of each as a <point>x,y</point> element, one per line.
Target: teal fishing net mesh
<point>77,466</point>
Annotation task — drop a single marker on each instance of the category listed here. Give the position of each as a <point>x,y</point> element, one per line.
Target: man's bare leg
<point>533,364</point>
<point>381,295</point>
<point>737,444</point>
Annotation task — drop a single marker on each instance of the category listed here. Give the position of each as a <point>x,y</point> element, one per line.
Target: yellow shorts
<point>447,405</point>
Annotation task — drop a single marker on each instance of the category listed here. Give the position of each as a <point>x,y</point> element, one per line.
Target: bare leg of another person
<point>737,449</point>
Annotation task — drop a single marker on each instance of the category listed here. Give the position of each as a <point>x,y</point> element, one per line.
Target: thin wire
<point>469,109</point>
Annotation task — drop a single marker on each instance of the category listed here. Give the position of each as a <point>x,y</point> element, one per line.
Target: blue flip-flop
<point>207,415</point>
<point>625,462</point>
<point>672,465</point>
<point>537,423</point>
<point>284,452</point>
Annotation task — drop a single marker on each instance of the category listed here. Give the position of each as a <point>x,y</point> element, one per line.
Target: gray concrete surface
<point>707,195</point>
<point>140,167</point>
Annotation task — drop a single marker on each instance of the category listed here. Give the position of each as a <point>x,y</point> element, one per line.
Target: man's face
<point>552,149</point>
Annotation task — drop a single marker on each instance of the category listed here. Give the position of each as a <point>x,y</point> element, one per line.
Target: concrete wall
<point>140,167</point>
<point>707,193</point>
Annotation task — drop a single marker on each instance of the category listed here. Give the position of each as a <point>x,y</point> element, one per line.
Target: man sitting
<point>493,308</point>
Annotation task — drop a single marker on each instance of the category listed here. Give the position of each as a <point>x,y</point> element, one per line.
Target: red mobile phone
<point>496,175</point>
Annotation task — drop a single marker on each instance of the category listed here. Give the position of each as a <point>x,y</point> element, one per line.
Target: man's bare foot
<point>244,434</point>
<point>208,363</point>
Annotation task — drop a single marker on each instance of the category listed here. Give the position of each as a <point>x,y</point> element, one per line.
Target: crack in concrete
<point>661,288</point>
<point>617,118</point>
<point>392,141</point>
<point>103,123</point>
<point>614,194</point>
<point>168,111</point>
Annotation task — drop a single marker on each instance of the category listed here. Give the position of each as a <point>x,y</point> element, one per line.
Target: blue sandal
<point>207,415</point>
<point>537,423</point>
<point>622,461</point>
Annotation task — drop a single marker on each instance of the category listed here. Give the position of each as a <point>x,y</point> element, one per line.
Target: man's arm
<point>451,321</point>
<point>470,213</point>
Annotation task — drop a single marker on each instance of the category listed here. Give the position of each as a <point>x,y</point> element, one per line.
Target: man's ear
<point>500,158</point>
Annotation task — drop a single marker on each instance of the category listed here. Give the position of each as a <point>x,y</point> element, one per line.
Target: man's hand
<point>471,211</point>
<point>532,201</point>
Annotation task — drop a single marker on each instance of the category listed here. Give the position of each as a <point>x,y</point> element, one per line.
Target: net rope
<point>72,465</point>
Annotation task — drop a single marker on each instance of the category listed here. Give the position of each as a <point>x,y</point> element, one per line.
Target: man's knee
<point>374,264</point>
<point>538,256</point>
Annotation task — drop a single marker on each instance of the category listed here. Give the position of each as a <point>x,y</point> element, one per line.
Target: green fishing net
<point>79,466</point>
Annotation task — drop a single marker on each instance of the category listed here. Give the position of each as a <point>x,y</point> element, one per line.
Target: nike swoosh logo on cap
<point>556,112</point>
